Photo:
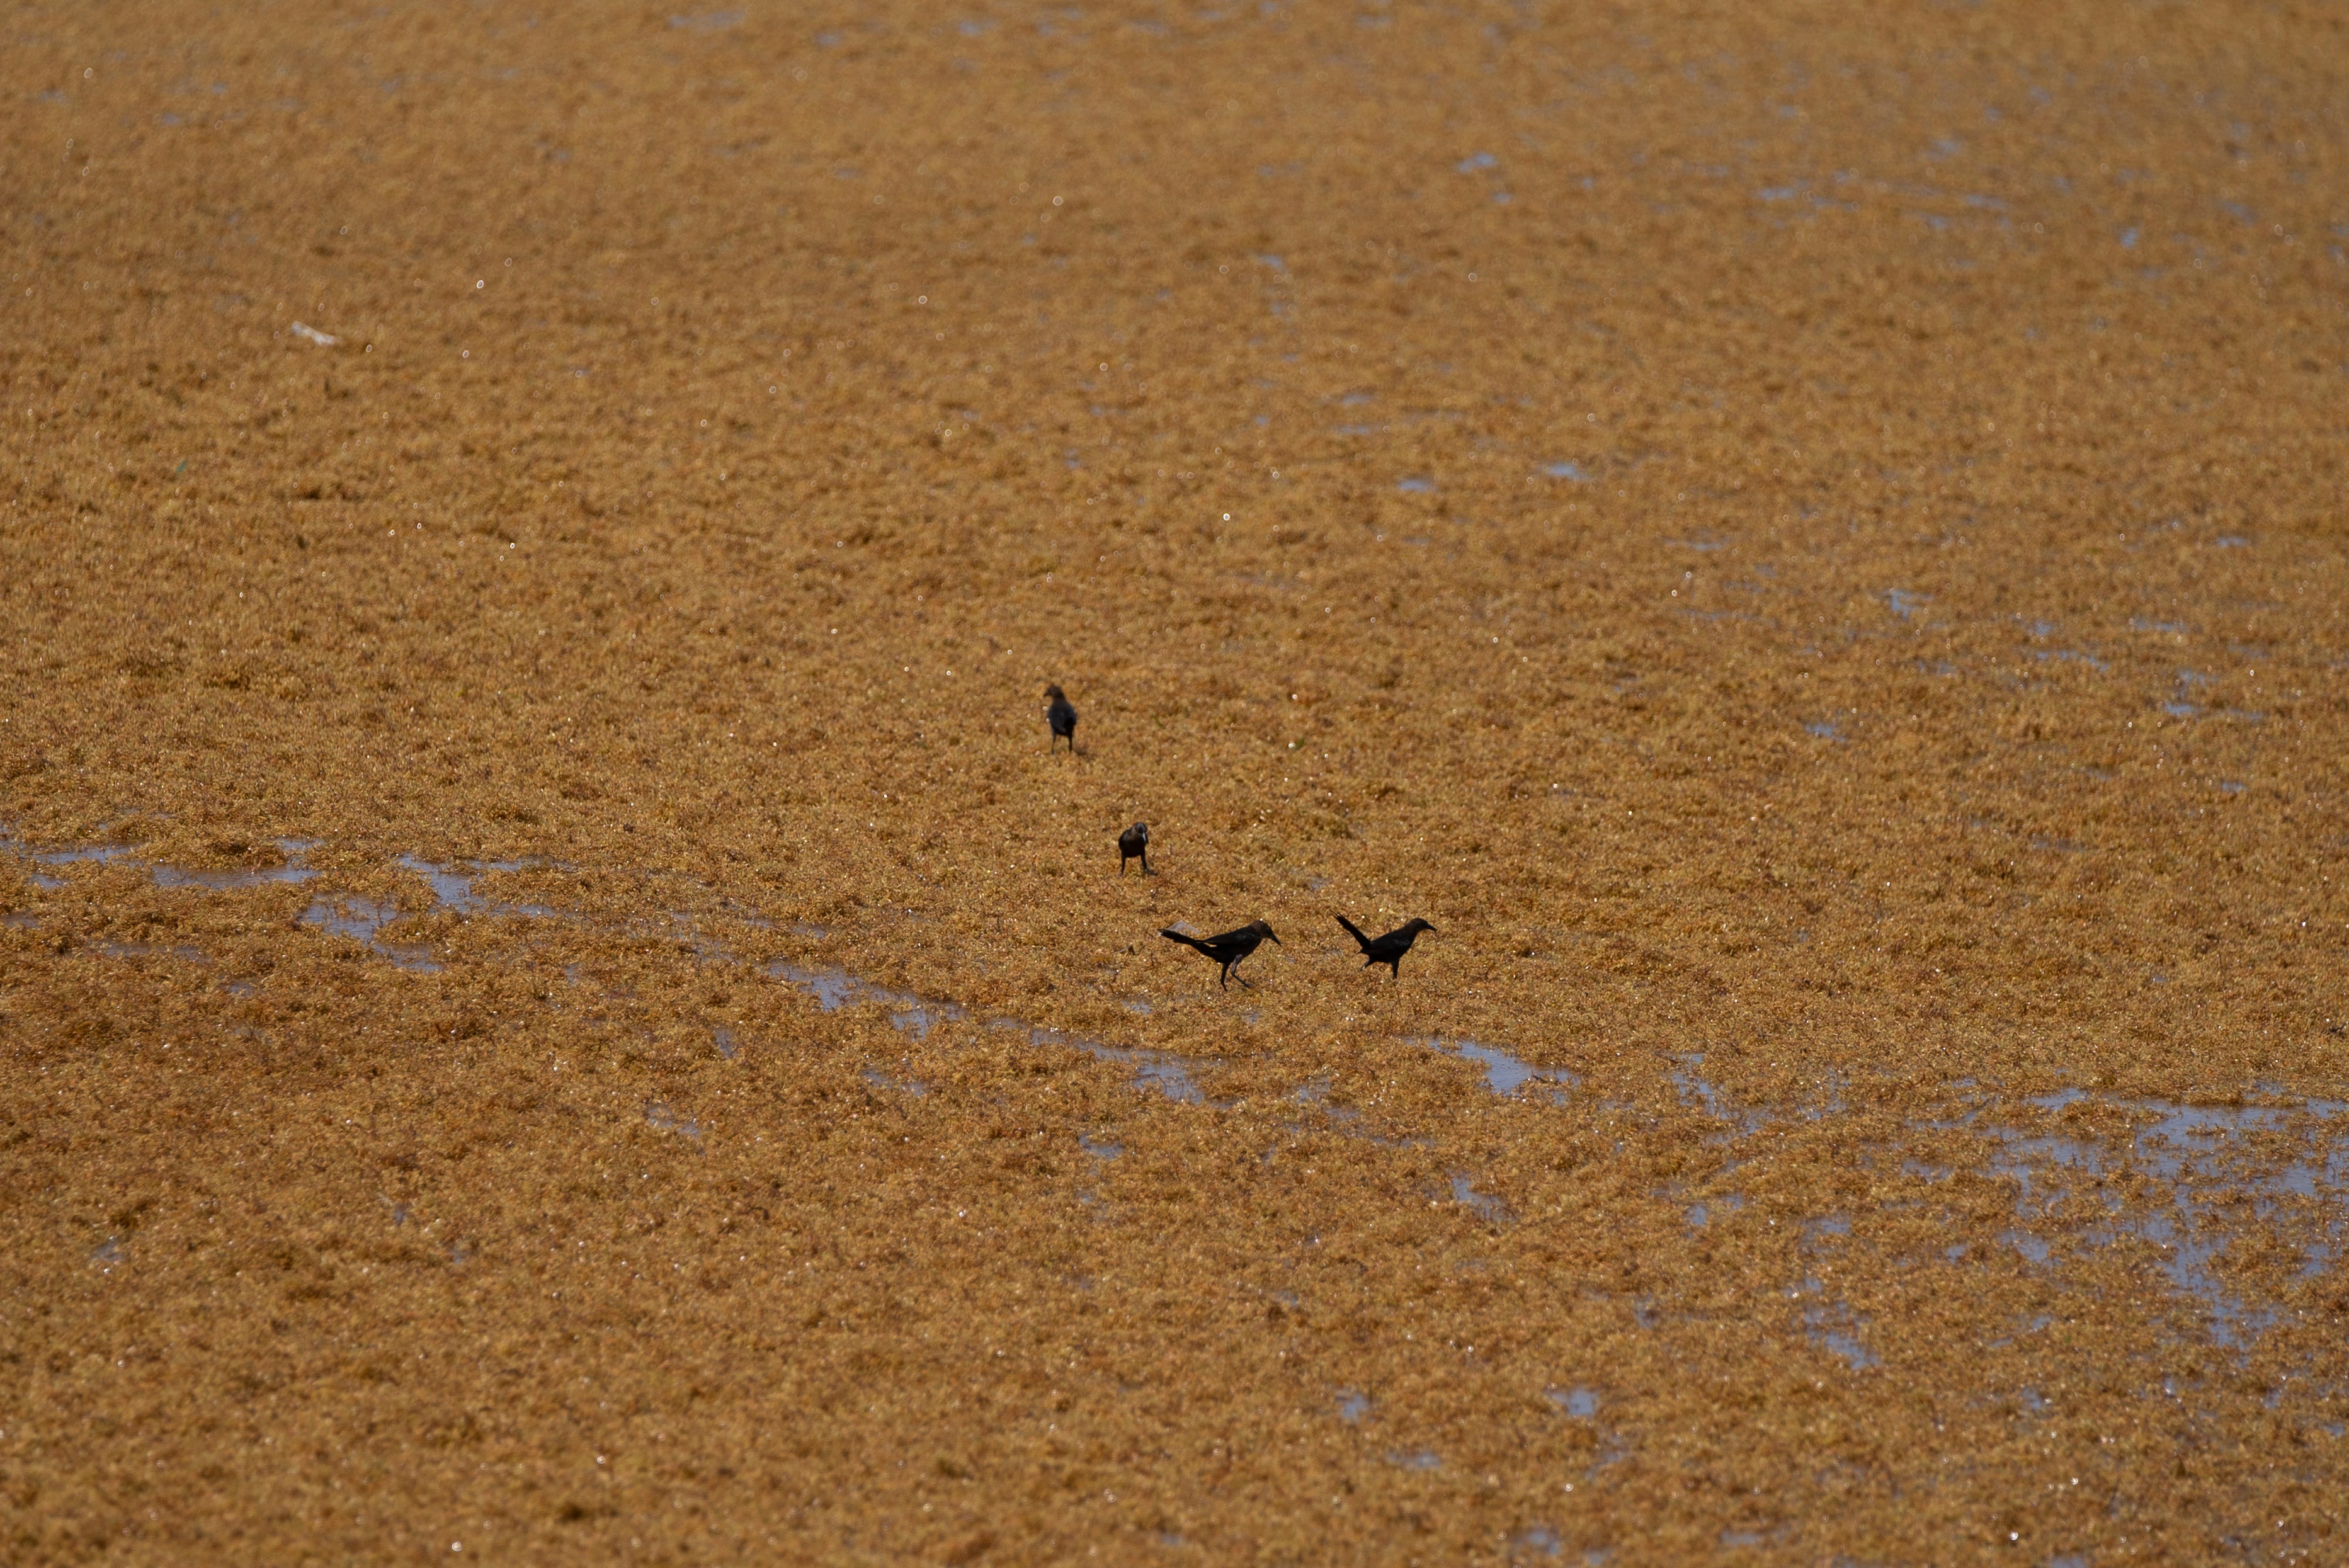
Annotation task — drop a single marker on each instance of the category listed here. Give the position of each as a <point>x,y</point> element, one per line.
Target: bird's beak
<point>1432,932</point>
<point>1275,941</point>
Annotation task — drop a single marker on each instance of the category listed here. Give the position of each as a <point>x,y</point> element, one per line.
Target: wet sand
<point>555,1003</point>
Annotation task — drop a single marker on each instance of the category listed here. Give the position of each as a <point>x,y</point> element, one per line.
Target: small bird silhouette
<point>1388,949</point>
<point>1229,948</point>
<point>1061,717</point>
<point>1134,845</point>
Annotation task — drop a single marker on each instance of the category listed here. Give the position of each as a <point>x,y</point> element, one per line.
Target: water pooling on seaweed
<point>664,1120</point>
<point>1827,1323</point>
<point>913,1087</point>
<point>292,870</point>
<point>1505,1074</point>
<point>1170,1075</point>
<point>1484,1205</point>
<point>836,988</point>
<point>2195,1152</point>
<point>171,876</point>
<point>361,919</point>
<point>453,889</point>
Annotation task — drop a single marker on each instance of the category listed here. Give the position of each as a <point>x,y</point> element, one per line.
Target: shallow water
<point>1699,1092</point>
<point>361,919</point>
<point>1485,1206</point>
<point>292,871</point>
<point>661,1117</point>
<point>1169,1075</point>
<point>1505,1074</point>
<point>914,1088</point>
<point>165,875</point>
<point>836,988</point>
<point>2201,1186</point>
<point>452,888</point>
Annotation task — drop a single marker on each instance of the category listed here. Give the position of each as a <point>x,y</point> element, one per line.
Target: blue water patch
<point>911,1087</point>
<point>1581,1403</point>
<point>1416,485</point>
<point>361,919</point>
<point>1486,1207</point>
<point>1505,1074</point>
<point>663,1118</point>
<point>1566,471</point>
<point>1697,1091</point>
<point>2068,656</point>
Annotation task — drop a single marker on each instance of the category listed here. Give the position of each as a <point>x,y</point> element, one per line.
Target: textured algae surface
<point>555,1003</point>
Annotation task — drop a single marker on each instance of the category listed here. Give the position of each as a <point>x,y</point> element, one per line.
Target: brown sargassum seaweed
<point>554,1003</point>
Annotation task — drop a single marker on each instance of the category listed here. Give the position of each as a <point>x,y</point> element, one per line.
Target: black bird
<point>1388,949</point>
<point>1061,717</point>
<point>1229,948</point>
<point>1132,844</point>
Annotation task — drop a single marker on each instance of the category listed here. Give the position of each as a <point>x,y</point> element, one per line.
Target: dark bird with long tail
<point>1388,949</point>
<point>1228,949</point>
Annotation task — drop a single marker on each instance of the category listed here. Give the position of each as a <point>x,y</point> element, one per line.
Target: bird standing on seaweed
<point>1061,717</point>
<point>1229,948</point>
<point>1388,949</point>
<point>1132,844</point>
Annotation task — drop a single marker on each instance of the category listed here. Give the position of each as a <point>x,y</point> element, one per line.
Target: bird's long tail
<point>1185,941</point>
<point>1355,932</point>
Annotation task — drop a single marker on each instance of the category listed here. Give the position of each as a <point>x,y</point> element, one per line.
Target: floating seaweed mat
<point>558,998</point>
